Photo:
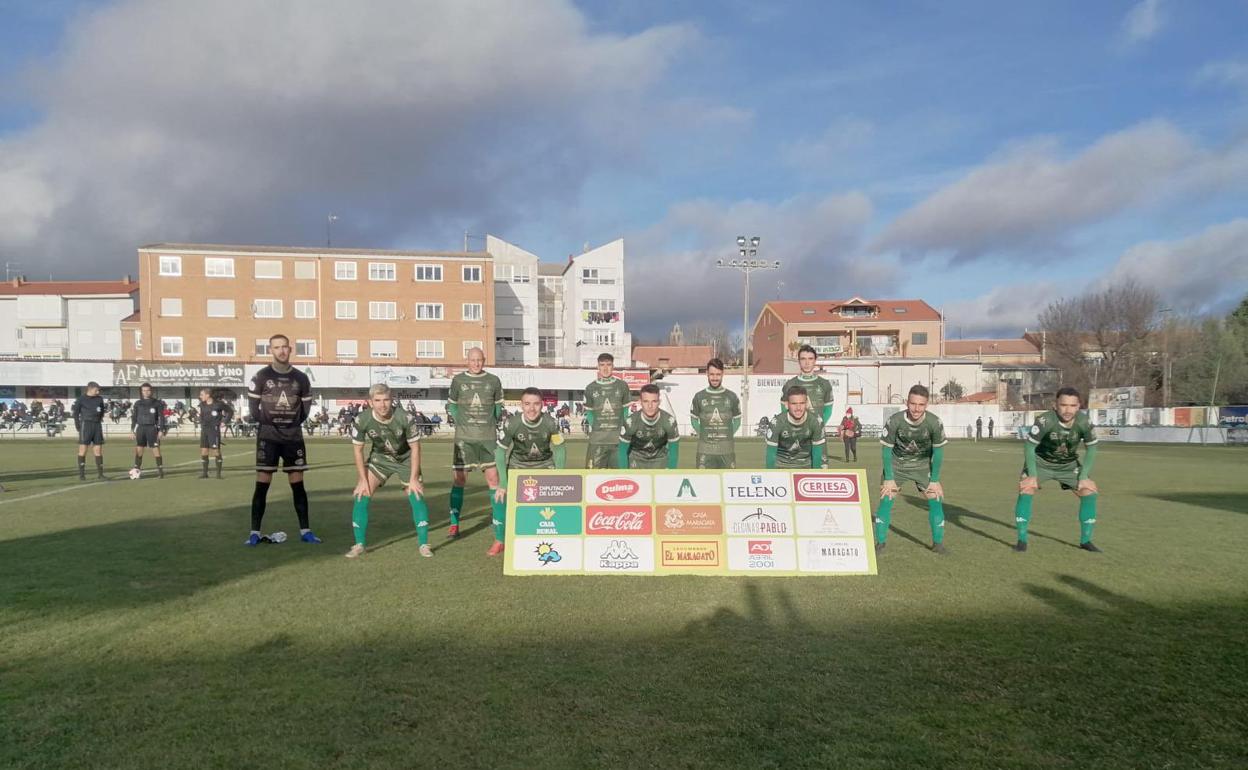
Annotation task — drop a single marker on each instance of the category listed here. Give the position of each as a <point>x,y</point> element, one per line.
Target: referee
<point>147,425</point>
<point>279,399</point>
<point>88,414</point>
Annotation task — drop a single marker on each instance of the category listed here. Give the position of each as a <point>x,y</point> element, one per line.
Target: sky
<point>986,157</point>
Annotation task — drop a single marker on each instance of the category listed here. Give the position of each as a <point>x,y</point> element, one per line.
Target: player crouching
<point>530,440</point>
<point>394,450</point>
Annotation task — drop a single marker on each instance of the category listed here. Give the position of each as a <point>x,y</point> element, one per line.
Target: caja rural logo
<point>823,487</point>
<point>617,489</point>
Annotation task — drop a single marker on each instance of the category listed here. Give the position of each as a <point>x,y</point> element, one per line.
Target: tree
<point>1210,365</point>
<point>952,390</point>
<point>1103,339</point>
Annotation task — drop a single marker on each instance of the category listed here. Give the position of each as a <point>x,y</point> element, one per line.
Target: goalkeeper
<point>1051,453</point>
<point>395,450</point>
<point>531,439</point>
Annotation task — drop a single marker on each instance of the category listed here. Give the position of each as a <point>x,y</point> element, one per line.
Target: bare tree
<point>1102,339</point>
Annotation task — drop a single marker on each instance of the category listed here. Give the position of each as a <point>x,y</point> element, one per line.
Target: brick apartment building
<point>207,302</point>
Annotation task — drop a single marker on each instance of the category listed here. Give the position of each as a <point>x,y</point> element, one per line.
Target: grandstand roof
<point>73,288</point>
<point>818,311</point>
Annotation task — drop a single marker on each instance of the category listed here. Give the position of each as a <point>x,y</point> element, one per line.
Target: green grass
<point>136,631</point>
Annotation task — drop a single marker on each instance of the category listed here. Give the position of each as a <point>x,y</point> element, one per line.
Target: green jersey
<point>794,441</point>
<point>476,396</point>
<point>529,445</point>
<point>609,401</point>
<point>390,438</point>
<point>913,442</point>
<point>1057,445</point>
<point>646,439</point>
<point>818,392</point>
<point>715,409</point>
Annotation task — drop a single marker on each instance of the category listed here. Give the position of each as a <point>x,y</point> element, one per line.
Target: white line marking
<point>24,498</point>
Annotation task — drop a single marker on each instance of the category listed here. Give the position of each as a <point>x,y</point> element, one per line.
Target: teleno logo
<point>617,489</point>
<point>811,487</point>
<point>760,547</point>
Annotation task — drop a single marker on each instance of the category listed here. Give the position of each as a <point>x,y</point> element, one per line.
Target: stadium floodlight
<point>747,249</point>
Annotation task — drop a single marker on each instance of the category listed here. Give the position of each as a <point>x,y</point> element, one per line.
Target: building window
<point>305,348</point>
<point>138,339</point>
<point>220,308</point>
<point>344,271</point>
<point>604,339</point>
<point>522,274</point>
<point>502,273</point>
<point>171,266</point>
<point>171,346</point>
<point>546,347</point>
<point>171,307</point>
<point>348,348</point>
<point>857,311</point>
<point>470,344</point>
<point>220,346</point>
<point>383,311</point>
<point>546,315</point>
<point>472,274</point>
<point>597,275</point>
<point>344,310</point>
<point>268,268</point>
<point>428,272</point>
<point>383,348</point>
<point>429,349</point>
<point>305,308</point>
<point>428,311</point>
<point>596,305</point>
<point>473,311</point>
<point>267,308</point>
<point>219,267</point>
<point>381,271</point>
<point>305,270</point>
<point>262,347</point>
<point>918,338</point>
<point>85,337</point>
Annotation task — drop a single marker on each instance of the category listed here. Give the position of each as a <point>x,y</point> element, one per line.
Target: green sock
<point>500,518</point>
<point>359,519</point>
<point>1022,516</point>
<point>1087,518</point>
<point>420,517</point>
<point>883,517</point>
<point>936,517</point>
<point>457,504</point>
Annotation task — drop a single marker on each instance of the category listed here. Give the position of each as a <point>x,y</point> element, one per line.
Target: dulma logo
<point>617,489</point>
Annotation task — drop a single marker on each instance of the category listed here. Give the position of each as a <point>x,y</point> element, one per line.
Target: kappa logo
<point>619,556</point>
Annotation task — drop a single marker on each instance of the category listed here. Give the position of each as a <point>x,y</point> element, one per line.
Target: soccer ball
<point>278,537</point>
<point>135,474</point>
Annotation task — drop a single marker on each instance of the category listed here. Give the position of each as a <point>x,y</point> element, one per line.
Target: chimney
<point>17,281</point>
<point>126,280</point>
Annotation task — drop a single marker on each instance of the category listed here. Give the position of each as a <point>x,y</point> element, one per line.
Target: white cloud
<point>1031,198</point>
<point>845,135</point>
<point>671,271</point>
<point>1142,22</point>
<point>1232,73</point>
<point>250,121</point>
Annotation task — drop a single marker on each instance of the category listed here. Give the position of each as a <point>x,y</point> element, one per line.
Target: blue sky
<point>984,156</point>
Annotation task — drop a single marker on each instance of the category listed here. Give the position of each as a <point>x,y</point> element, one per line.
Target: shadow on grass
<point>1235,502</point>
<point>750,685</point>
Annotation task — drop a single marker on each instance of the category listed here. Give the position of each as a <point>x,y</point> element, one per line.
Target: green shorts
<point>641,463</point>
<point>1065,475</point>
<point>920,476</point>
<point>602,456</point>
<point>523,466</point>
<point>384,467</point>
<point>473,455</point>
<point>716,462</point>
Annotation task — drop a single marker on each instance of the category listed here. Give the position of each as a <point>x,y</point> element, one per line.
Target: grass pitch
<point>137,631</point>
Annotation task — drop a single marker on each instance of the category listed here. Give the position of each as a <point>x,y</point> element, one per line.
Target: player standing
<point>1051,452</point>
<point>147,427</point>
<point>88,414</point>
<point>716,416</point>
<point>818,389</point>
<point>914,448</point>
<point>278,400</point>
<point>531,439</point>
<point>795,438</point>
<point>394,451</point>
<point>649,439</point>
<point>214,415</point>
<point>475,402</point>
<point>606,399</point>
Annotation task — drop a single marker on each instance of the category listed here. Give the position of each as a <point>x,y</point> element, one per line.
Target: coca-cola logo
<point>760,547</point>
<point>617,489</point>
<point>818,487</point>
<point>618,520</point>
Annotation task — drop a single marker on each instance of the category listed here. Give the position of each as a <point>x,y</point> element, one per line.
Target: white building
<point>580,306</point>
<point>79,320</point>
<point>515,303</point>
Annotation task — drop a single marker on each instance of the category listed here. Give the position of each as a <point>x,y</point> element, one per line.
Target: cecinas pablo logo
<point>617,489</point>
<point>824,487</point>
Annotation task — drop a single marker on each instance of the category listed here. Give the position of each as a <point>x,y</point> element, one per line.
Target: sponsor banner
<point>834,555</point>
<point>1232,416</point>
<point>835,520</point>
<point>687,488</point>
<point>752,554</point>
<point>401,376</point>
<point>1116,398</point>
<point>189,374</point>
<point>546,554</point>
<point>689,519</point>
<point>548,519</point>
<point>634,378</point>
<point>627,487</point>
<point>707,522</point>
<point>616,555</point>
<point>766,519</point>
